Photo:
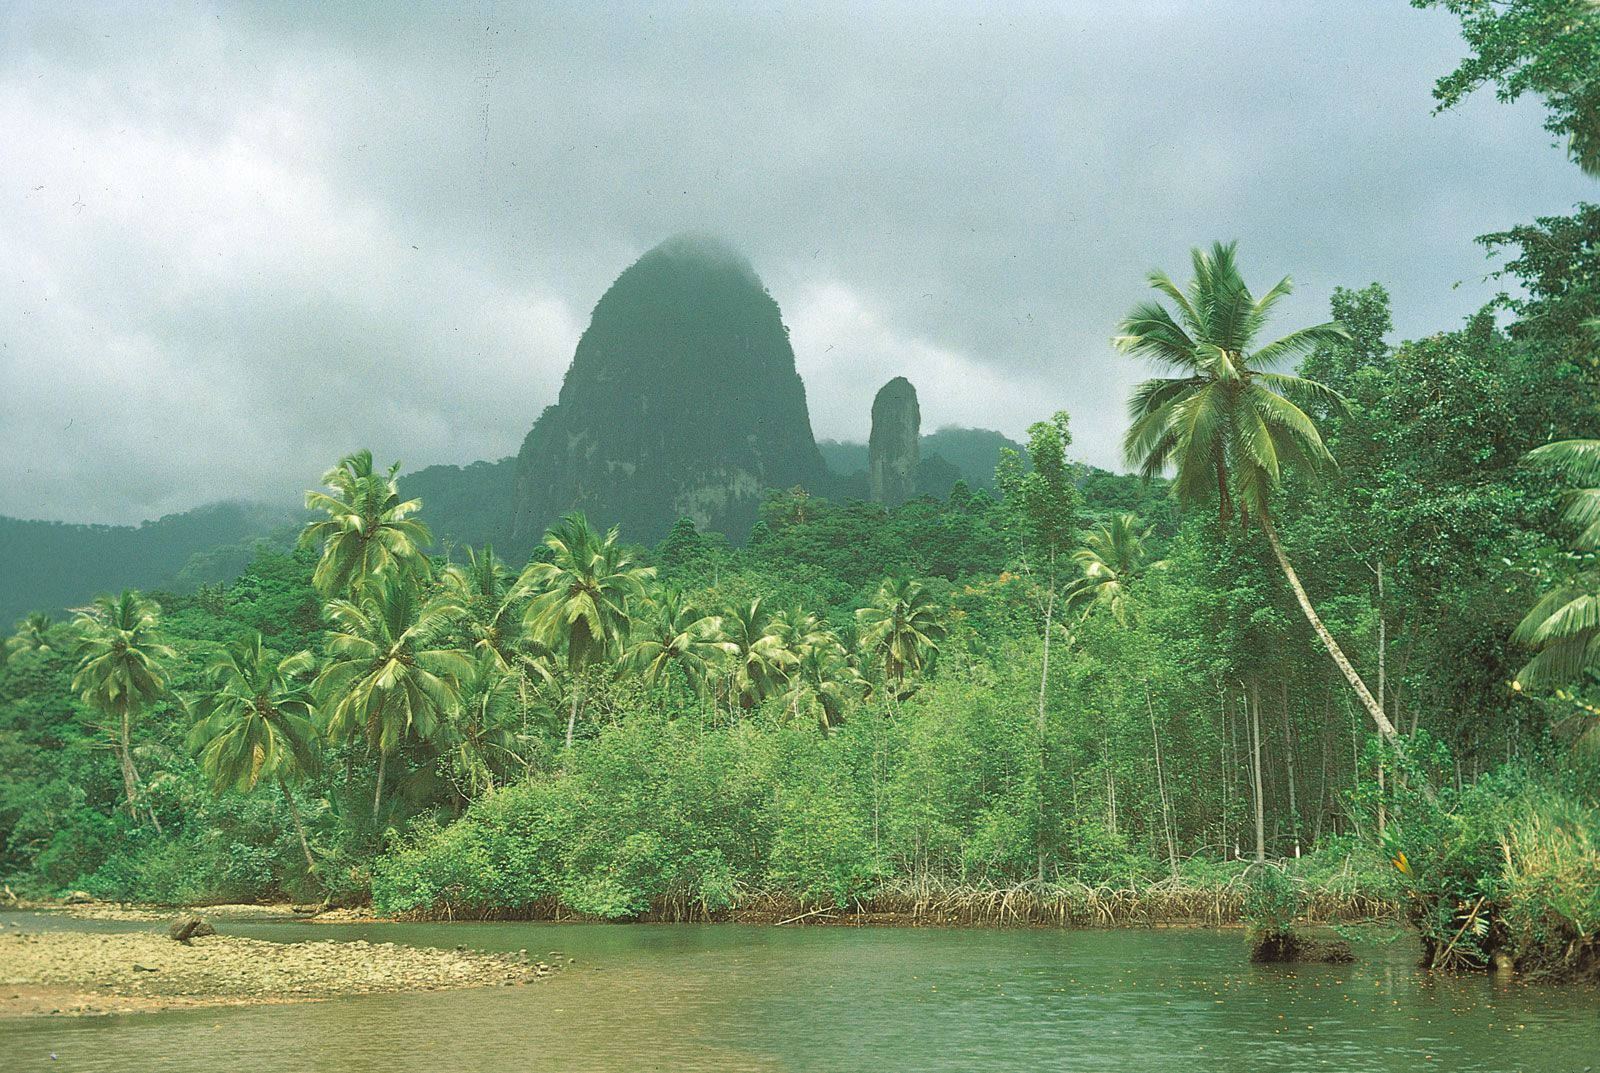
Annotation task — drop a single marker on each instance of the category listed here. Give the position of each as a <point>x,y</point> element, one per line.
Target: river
<point>815,999</point>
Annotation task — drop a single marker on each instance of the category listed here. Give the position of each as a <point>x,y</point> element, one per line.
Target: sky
<point>238,241</point>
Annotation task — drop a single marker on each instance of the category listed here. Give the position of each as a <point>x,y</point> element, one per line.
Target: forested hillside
<point>54,565</point>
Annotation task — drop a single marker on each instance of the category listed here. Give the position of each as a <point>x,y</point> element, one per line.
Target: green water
<point>730,997</point>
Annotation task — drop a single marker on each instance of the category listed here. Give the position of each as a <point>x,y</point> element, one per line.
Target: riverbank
<point>1074,905</point>
<point>75,973</point>
<point>1070,905</point>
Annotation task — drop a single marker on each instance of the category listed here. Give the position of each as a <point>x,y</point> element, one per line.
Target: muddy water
<point>728,997</point>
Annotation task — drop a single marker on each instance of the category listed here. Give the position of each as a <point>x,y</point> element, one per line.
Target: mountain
<point>951,453</point>
<point>892,452</point>
<point>464,504</point>
<point>682,400</point>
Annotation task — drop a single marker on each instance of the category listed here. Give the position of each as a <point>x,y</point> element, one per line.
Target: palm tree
<point>1225,423</point>
<point>481,727</point>
<point>388,678</point>
<point>368,530</point>
<point>581,598</point>
<point>33,634</point>
<point>820,681</point>
<point>901,628</point>
<point>1563,627</point>
<point>120,659</point>
<point>760,656</point>
<point>255,724</point>
<point>1112,557</point>
<point>1112,560</point>
<point>675,634</point>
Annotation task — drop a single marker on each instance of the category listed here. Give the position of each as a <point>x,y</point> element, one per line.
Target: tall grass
<point>930,902</point>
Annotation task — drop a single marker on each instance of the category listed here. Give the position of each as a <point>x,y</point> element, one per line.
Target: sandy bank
<point>80,972</point>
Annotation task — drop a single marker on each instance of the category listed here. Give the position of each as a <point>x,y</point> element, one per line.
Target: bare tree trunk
<point>1161,785</point>
<point>1242,713</point>
<point>1044,681</point>
<point>1288,766</point>
<point>572,716</point>
<point>1227,775</point>
<point>1255,769</point>
<point>130,777</point>
<point>1383,815</point>
<point>377,791</point>
<point>1383,638</point>
<point>1363,694</point>
<point>299,828</point>
<point>1111,784</point>
<point>1322,783</point>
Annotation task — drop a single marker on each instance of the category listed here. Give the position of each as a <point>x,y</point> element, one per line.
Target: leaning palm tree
<point>389,677</point>
<point>1112,557</point>
<point>1227,424</point>
<point>32,635</point>
<point>675,634</point>
<point>581,599</point>
<point>1563,627</point>
<point>255,724</point>
<point>900,628</point>
<point>368,530</point>
<point>120,670</point>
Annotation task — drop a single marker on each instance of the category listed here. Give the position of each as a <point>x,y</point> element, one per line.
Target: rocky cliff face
<point>892,448</point>
<point>681,401</point>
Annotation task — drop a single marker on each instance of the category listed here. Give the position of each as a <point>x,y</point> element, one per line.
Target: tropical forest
<point>1305,685</point>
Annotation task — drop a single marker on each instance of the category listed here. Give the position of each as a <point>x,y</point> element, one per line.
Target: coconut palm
<point>32,635</point>
<point>675,634</point>
<point>255,724</point>
<point>821,680</point>
<point>760,656</point>
<point>368,530</point>
<point>1111,559</point>
<point>1563,627</point>
<point>482,728</point>
<point>389,677</point>
<point>120,670</point>
<point>581,599</point>
<point>900,628</point>
<point>1225,423</point>
<point>492,620</point>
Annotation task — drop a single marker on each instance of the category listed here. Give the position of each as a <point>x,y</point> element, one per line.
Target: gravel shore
<point>65,972</point>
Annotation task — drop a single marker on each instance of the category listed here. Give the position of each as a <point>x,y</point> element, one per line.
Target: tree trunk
<point>377,791</point>
<point>130,777</point>
<point>1044,681</point>
<point>572,716</point>
<point>1383,641</point>
<point>1363,694</point>
<point>1288,766</point>
<point>299,827</point>
<point>1161,785</point>
<point>1255,770</point>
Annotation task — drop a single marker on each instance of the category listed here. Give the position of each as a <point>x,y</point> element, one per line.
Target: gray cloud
<point>237,241</point>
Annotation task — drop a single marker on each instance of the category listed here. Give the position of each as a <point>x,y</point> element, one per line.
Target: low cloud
<point>237,241</point>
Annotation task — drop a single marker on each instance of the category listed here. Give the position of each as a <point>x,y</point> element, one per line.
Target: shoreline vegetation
<point>1162,903</point>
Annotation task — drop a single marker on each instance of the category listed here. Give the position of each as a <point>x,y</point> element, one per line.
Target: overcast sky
<point>236,242</point>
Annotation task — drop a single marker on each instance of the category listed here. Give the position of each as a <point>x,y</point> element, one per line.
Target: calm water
<point>730,997</point>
